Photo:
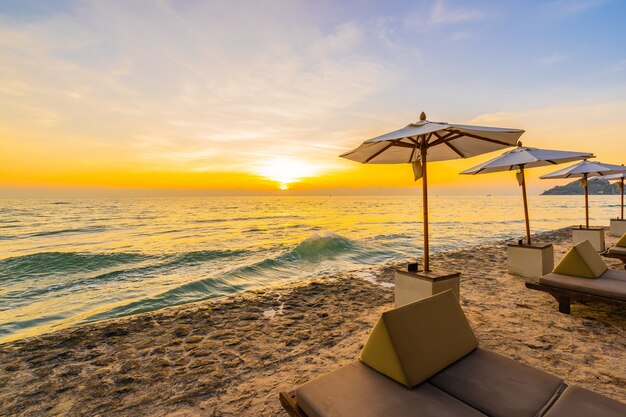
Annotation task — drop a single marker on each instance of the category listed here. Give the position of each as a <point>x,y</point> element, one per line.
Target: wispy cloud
<point>440,16</point>
<point>345,37</point>
<point>208,106</point>
<point>457,36</point>
<point>441,13</point>
<point>571,7</point>
<point>551,59</point>
<point>195,86</point>
<point>617,67</point>
<point>567,126</point>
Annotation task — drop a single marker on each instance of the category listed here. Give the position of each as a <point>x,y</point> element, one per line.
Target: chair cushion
<point>357,390</point>
<point>579,402</point>
<point>412,343</point>
<point>616,250</point>
<point>581,260</point>
<point>622,241</point>
<point>612,284</point>
<point>498,386</point>
<point>592,258</point>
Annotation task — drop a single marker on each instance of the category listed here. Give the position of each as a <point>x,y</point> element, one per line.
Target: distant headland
<point>599,187</point>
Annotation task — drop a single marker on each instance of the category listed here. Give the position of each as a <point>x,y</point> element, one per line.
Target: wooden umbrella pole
<point>622,187</point>
<point>586,186</point>
<point>425,207</point>
<point>521,170</point>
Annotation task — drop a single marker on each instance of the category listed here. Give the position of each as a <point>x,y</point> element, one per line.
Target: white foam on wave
<point>271,313</point>
<point>371,278</point>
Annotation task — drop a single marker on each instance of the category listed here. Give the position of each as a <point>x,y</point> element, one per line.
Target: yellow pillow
<point>622,241</point>
<point>583,261</point>
<point>412,343</point>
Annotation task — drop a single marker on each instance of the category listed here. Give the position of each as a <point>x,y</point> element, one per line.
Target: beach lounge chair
<point>618,251</point>
<point>423,360</point>
<point>583,275</point>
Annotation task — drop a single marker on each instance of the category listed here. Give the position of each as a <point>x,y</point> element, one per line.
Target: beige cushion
<point>612,284</point>
<point>356,390</point>
<point>592,258</point>
<point>582,260</point>
<point>579,402</point>
<point>498,386</point>
<point>616,250</point>
<point>412,343</point>
<point>622,241</point>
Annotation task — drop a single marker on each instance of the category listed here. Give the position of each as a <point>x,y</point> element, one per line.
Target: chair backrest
<point>583,261</point>
<point>411,343</point>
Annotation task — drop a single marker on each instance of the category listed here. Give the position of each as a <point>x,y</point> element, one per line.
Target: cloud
<point>552,59</point>
<point>457,36</point>
<point>571,7</point>
<point>209,87</point>
<point>587,126</point>
<point>387,33</point>
<point>346,36</point>
<point>443,14</point>
<point>205,86</point>
<point>617,67</point>
<point>433,17</point>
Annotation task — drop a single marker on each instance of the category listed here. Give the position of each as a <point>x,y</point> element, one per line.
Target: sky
<point>260,97</point>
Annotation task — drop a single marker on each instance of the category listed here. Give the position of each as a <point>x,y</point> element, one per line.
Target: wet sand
<point>231,357</point>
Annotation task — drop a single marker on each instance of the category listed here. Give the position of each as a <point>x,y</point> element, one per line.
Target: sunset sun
<point>287,171</point>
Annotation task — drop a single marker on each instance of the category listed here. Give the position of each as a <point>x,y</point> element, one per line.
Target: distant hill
<point>599,187</point>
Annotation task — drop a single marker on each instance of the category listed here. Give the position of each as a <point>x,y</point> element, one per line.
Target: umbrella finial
<point>519,143</point>
<point>422,116</point>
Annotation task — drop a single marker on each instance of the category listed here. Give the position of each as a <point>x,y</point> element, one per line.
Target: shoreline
<point>231,356</point>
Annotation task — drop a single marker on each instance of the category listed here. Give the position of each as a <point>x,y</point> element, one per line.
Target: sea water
<point>66,262</point>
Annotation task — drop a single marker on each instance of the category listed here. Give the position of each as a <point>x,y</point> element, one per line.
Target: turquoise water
<point>75,261</point>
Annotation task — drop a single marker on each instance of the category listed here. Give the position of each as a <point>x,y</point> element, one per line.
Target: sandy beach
<point>231,357</point>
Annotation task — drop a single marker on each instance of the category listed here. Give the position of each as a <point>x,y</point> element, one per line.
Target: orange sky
<point>160,96</point>
<point>51,159</point>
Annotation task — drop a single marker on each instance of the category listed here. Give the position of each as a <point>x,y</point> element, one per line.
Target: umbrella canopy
<point>524,157</point>
<point>425,141</point>
<point>620,177</point>
<point>610,177</point>
<point>584,170</point>
<point>444,141</point>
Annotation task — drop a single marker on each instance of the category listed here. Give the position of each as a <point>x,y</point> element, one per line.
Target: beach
<point>205,204</point>
<point>232,356</point>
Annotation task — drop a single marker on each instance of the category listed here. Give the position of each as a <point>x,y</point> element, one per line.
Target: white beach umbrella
<point>584,170</point>
<point>620,183</point>
<point>524,157</point>
<point>425,141</point>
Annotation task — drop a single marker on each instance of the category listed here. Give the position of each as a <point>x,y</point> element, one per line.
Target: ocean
<point>67,262</point>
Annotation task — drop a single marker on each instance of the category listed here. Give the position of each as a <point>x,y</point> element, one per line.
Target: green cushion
<point>583,261</point>
<point>412,343</point>
<point>622,241</point>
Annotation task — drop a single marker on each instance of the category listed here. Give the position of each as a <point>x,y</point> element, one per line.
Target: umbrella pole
<point>425,208</point>
<point>521,170</point>
<point>586,186</point>
<point>622,191</point>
